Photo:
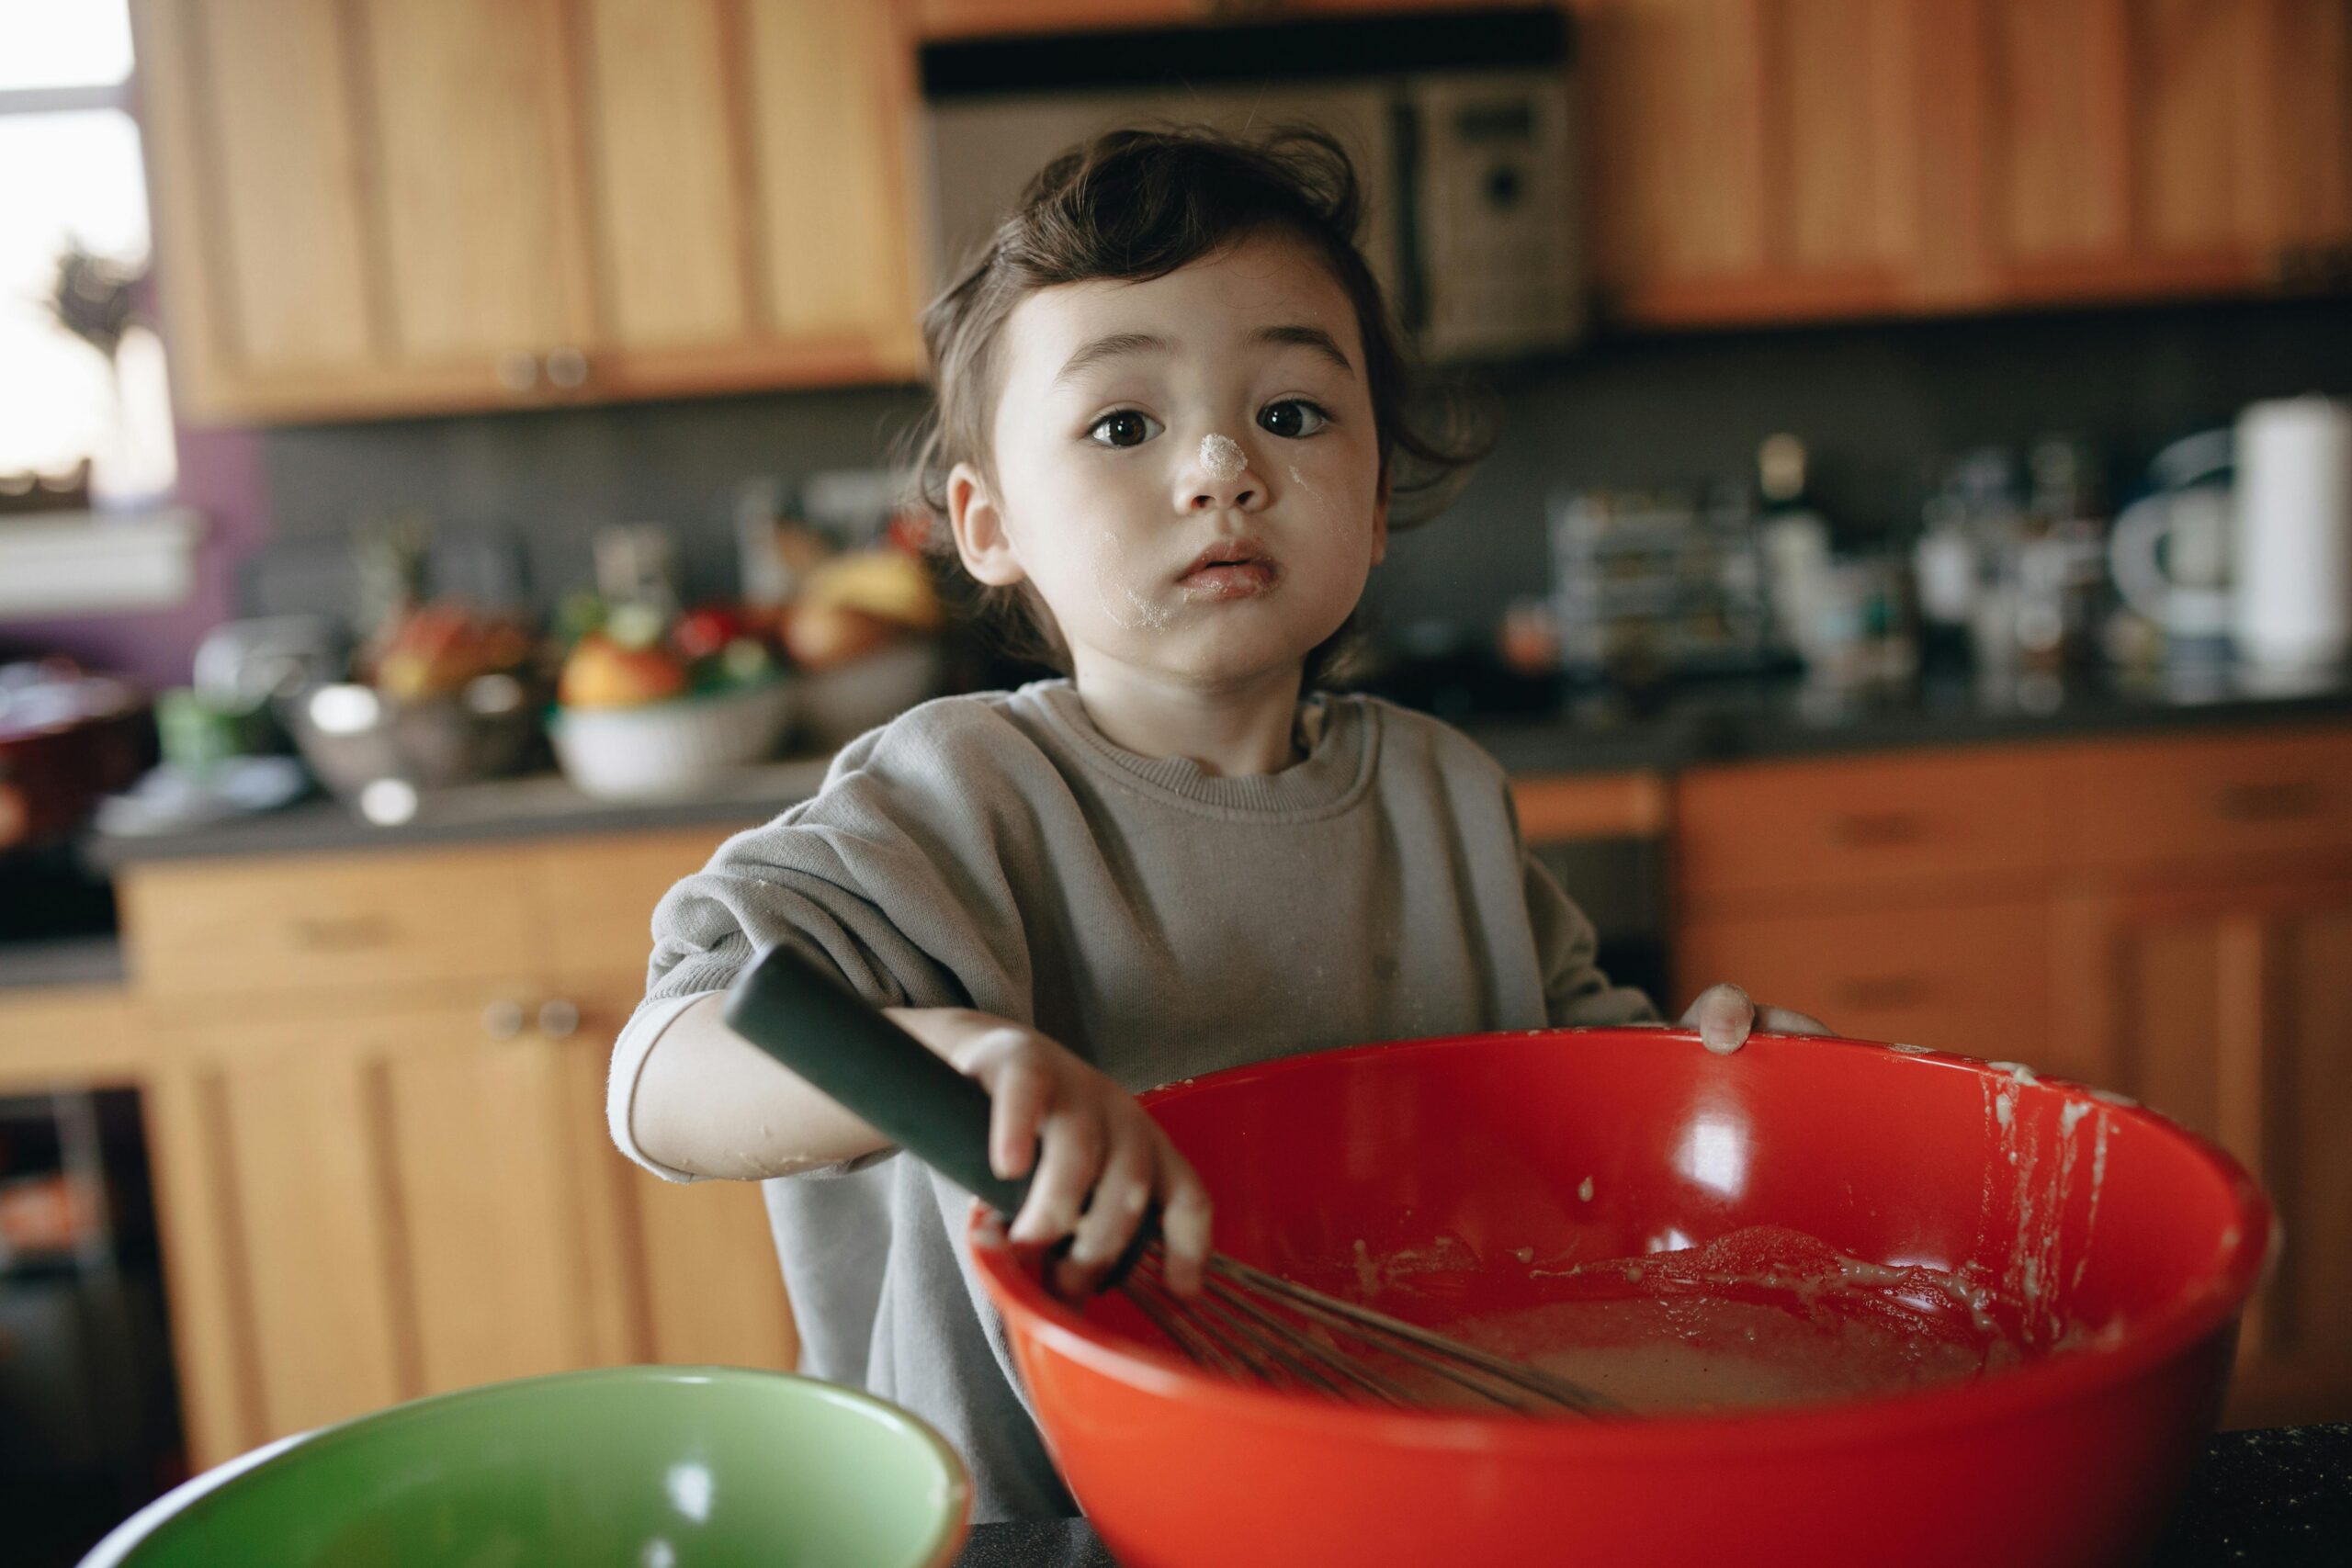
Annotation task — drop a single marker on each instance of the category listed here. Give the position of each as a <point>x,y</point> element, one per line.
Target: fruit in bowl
<point>602,672</point>
<point>653,711</point>
<point>864,630</point>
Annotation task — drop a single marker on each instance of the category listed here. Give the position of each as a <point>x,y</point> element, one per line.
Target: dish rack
<point>1657,581</point>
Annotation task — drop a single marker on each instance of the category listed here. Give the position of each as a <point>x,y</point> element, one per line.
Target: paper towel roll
<point>2294,579</point>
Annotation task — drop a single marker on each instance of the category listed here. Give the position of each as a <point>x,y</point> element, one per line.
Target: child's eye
<point>1293,418</point>
<point>1125,427</point>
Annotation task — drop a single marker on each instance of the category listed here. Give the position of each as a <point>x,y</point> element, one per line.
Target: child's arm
<point>709,1103</point>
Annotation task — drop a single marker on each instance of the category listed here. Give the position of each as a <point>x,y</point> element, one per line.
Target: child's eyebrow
<point>1314,338</point>
<point>1111,347</point>
<point>1120,343</point>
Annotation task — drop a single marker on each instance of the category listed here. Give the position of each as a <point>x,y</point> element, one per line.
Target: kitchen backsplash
<point>1876,404</point>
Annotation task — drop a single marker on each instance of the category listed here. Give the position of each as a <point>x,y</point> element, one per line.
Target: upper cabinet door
<point>667,171</point>
<point>1774,159</point>
<point>252,145</point>
<point>1752,160</point>
<point>469,114</point>
<point>831,87</point>
<point>418,206</point>
<point>2165,146</point>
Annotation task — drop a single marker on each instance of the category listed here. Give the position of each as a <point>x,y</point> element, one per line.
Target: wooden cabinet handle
<point>1884,991</point>
<point>518,372</point>
<point>2274,800</point>
<point>340,933</point>
<point>1878,830</point>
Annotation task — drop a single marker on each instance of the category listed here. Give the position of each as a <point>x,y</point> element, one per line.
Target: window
<point>72,180</point>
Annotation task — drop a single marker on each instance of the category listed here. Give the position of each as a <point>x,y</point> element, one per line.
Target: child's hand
<point>1095,1139</point>
<point>1723,1015</point>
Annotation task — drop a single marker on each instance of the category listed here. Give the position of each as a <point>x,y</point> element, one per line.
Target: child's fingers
<point>1020,1095</point>
<point>1788,1020</point>
<point>1074,1145</point>
<point>1723,1015</point>
<point>1120,1196</point>
<point>1183,1220</point>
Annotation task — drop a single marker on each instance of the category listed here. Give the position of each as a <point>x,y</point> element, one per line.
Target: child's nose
<point>1218,480</point>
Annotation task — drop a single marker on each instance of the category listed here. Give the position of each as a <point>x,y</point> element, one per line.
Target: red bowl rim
<point>1014,1285</point>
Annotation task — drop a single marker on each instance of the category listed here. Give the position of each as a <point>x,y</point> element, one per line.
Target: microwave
<point>1460,125</point>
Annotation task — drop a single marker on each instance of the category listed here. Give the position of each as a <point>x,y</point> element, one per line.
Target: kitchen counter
<point>1716,724</point>
<point>2265,1499</point>
<point>1742,721</point>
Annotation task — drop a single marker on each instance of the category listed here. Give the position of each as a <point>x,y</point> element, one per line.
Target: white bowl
<point>667,750</point>
<point>843,703</point>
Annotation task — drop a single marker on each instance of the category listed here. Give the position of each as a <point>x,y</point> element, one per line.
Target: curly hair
<point>1137,204</point>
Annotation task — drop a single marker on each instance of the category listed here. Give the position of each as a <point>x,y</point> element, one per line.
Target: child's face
<point>1143,428</point>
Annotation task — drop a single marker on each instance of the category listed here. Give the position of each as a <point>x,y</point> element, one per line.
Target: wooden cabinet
<point>388,207</point>
<point>1779,159</point>
<point>2224,999</point>
<point>375,1099</point>
<point>2169,918</point>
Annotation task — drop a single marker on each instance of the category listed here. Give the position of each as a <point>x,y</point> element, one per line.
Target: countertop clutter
<point>1727,722</point>
<point>2268,1499</point>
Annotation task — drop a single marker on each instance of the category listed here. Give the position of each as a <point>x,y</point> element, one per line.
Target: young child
<point>1170,417</point>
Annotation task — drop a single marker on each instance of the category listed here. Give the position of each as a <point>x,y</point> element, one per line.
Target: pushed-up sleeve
<point>892,875</point>
<point>1576,990</point>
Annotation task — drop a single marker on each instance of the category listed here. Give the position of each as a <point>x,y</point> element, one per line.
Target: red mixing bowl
<point>2089,1211</point>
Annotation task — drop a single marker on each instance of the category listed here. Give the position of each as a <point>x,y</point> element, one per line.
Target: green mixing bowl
<point>642,1466</point>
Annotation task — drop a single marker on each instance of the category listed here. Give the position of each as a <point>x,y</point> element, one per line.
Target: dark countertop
<point>1747,721</point>
<point>1717,724</point>
<point>2266,1499</point>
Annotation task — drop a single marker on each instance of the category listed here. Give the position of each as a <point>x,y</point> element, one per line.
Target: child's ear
<point>979,527</point>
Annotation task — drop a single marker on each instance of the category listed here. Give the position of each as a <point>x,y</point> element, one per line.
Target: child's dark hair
<point>1138,204</point>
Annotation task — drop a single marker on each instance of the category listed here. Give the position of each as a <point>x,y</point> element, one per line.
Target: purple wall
<point>222,478</point>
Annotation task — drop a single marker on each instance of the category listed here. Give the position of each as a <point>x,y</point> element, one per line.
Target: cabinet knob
<point>557,1017</point>
<point>502,1019</point>
<point>567,368</point>
<point>518,372</point>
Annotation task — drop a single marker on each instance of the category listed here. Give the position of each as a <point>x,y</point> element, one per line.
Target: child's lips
<point>1232,569</point>
<point>1233,579</point>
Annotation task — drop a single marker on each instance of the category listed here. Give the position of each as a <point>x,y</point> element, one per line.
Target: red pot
<point>2133,1226</point>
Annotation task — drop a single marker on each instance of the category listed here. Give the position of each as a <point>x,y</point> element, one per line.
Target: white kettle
<point>2268,563</point>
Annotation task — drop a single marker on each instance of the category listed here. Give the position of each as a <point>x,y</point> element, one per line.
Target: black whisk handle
<point>804,1017</point>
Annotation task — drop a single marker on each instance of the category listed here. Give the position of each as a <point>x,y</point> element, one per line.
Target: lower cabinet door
<point>2226,1003</point>
<point>368,1210</point>
<point>1968,977</point>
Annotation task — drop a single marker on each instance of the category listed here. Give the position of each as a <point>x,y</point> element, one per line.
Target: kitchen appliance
<point>721,1466</point>
<point>1481,1160</point>
<point>1460,125</point>
<point>1649,582</point>
<point>2293,555</point>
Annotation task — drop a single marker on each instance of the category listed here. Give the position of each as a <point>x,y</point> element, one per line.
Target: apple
<point>603,673</point>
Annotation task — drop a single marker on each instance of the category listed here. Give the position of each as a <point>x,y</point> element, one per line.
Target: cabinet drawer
<point>599,895</point>
<point>1853,826</point>
<point>211,928</point>
<point>2133,801</point>
<point>1965,977</point>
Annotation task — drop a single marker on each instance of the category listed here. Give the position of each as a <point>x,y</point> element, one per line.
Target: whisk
<point>1247,1322</point>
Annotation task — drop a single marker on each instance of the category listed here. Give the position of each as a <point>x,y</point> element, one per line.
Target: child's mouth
<point>1237,571</point>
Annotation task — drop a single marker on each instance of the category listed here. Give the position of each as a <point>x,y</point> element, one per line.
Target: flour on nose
<point>1222,455</point>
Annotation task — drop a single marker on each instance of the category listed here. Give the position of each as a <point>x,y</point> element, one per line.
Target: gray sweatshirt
<point>997,851</point>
